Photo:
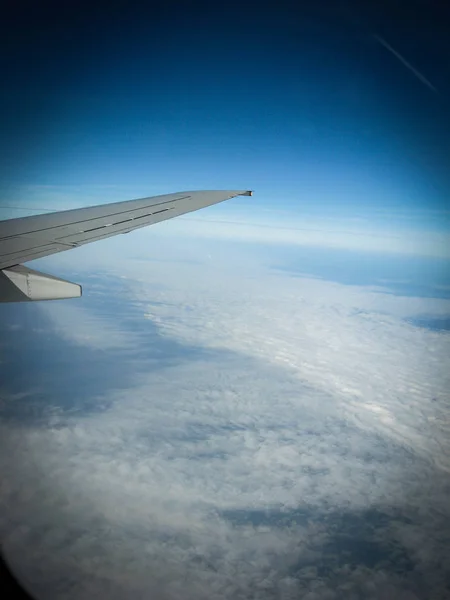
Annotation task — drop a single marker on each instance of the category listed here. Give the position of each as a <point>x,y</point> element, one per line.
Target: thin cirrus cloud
<point>344,234</point>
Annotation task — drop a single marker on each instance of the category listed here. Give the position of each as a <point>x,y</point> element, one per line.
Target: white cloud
<point>341,339</point>
<point>323,233</point>
<point>314,401</point>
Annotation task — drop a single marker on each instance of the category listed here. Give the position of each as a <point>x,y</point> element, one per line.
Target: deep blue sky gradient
<point>297,102</point>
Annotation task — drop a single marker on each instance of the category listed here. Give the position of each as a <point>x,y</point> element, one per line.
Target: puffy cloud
<point>297,446</point>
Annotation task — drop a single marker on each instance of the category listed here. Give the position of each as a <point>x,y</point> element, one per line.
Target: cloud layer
<point>296,444</point>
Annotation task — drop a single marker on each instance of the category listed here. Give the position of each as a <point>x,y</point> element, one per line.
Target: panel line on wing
<point>44,244</point>
<point>52,243</point>
<point>118,222</point>
<point>90,219</point>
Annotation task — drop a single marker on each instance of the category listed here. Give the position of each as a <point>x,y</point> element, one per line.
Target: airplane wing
<point>28,238</point>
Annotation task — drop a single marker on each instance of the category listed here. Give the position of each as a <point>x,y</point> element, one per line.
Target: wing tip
<point>247,193</point>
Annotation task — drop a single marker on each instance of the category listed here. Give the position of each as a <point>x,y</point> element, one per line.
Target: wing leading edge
<point>28,238</point>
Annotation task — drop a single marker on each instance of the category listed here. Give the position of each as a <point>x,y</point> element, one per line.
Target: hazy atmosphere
<point>250,401</point>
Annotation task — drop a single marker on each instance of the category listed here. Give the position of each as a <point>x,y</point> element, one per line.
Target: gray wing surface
<point>28,238</point>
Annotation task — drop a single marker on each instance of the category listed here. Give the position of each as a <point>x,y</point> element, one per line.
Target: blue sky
<point>303,107</point>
